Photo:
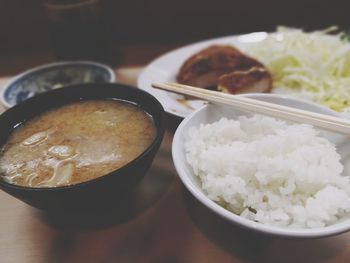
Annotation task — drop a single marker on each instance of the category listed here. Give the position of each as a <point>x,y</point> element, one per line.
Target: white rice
<point>269,171</point>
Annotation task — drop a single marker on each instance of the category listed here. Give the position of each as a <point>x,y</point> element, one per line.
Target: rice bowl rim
<point>198,193</point>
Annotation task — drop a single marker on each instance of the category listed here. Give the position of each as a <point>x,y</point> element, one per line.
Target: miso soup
<point>75,143</point>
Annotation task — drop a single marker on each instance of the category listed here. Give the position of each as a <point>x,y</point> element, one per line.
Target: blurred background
<point>68,26</point>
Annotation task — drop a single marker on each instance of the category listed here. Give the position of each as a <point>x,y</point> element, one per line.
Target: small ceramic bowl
<point>104,191</point>
<point>211,113</point>
<point>52,76</point>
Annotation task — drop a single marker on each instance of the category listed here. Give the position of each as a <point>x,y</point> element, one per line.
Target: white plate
<point>166,67</point>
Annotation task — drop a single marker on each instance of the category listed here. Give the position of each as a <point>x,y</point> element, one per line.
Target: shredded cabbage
<point>312,65</point>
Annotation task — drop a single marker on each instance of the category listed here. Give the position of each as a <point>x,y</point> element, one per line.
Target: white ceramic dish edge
<point>165,68</point>
<point>29,71</point>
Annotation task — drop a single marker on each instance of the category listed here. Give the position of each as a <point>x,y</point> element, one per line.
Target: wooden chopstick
<point>327,122</point>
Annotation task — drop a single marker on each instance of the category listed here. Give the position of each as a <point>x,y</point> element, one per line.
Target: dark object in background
<point>23,24</point>
<point>77,29</point>
<point>103,192</point>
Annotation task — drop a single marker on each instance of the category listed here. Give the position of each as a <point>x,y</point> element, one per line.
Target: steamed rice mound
<point>269,171</point>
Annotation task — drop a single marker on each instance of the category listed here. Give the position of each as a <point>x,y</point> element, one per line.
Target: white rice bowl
<point>326,216</point>
<point>268,171</point>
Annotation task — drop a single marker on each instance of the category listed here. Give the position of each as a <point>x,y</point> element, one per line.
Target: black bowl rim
<point>157,140</point>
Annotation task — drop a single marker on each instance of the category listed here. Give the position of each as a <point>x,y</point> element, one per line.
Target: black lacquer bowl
<point>103,191</point>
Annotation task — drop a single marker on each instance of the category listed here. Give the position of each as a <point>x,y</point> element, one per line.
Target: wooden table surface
<point>162,222</point>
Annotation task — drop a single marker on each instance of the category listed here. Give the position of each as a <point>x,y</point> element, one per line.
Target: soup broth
<point>76,143</point>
